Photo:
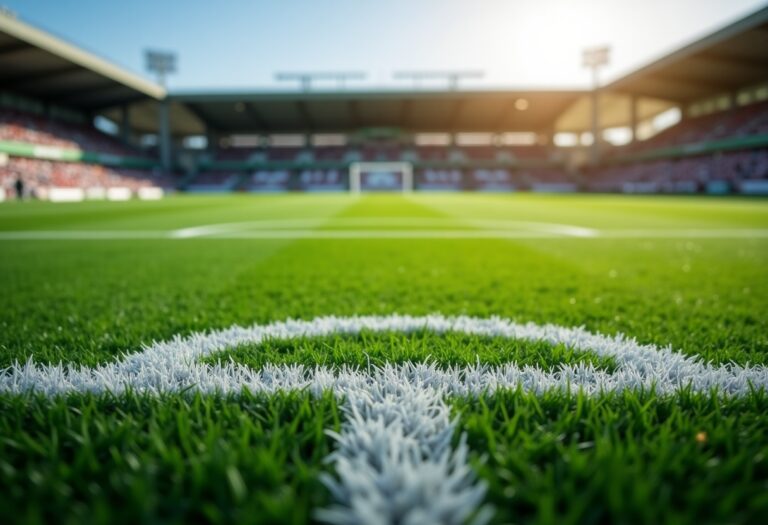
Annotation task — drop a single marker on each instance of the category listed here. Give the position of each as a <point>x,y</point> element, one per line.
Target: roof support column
<point>125,124</point>
<point>164,140</point>
<point>595,120</point>
<point>633,102</point>
<point>212,138</point>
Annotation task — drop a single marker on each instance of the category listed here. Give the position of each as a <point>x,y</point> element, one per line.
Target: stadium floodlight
<point>161,63</point>
<point>452,77</point>
<point>594,58</point>
<point>306,78</point>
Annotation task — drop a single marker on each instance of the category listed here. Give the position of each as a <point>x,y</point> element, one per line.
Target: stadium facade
<point>335,140</point>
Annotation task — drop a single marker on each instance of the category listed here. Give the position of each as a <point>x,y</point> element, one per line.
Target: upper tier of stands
<point>743,121</point>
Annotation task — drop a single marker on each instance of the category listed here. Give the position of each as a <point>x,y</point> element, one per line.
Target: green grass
<point>376,349</point>
<point>247,459</point>
<point>173,459</point>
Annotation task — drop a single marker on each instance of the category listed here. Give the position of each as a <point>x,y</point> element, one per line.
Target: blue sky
<point>241,44</point>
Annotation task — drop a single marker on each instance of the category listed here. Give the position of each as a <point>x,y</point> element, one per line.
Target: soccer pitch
<point>522,359</point>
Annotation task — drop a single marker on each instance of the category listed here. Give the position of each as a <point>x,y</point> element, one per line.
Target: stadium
<point>432,301</point>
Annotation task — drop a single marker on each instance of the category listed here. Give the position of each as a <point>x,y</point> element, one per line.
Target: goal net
<point>380,176</point>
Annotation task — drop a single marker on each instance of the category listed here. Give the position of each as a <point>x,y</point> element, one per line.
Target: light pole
<point>594,58</point>
<point>162,63</point>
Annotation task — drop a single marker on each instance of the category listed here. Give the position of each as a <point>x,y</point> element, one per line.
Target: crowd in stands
<point>40,175</point>
<point>437,167</point>
<point>739,122</point>
<point>686,174</point>
<point>383,153</point>
<point>24,127</point>
<point>430,179</point>
<point>719,171</point>
<point>215,181</point>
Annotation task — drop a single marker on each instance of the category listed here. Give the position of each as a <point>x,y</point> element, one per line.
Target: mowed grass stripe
<point>88,303</point>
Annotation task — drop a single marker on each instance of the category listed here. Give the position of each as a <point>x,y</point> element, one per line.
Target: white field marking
<point>173,365</point>
<point>77,235</point>
<point>690,233</point>
<point>496,226</point>
<point>393,462</point>
<point>569,230</point>
<point>618,234</point>
<point>390,228</point>
<point>386,234</point>
<point>227,227</point>
<point>553,232</point>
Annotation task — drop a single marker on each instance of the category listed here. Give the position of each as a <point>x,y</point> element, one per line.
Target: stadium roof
<point>41,66</point>
<point>36,64</point>
<point>730,59</point>
<point>418,110</point>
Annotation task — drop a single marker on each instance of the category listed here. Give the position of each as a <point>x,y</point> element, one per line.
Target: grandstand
<point>51,93</point>
<point>451,140</point>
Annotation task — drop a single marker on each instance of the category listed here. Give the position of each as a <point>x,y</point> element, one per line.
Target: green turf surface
<point>377,349</point>
<point>628,458</point>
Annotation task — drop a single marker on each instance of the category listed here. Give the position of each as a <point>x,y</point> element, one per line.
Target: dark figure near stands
<point>19,187</point>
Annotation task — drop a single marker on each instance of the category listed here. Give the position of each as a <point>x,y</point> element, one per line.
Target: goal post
<point>380,176</point>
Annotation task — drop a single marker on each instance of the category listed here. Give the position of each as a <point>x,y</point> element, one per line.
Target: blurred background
<point>101,101</point>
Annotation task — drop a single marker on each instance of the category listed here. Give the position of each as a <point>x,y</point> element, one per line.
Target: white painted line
<point>692,233</point>
<point>386,228</point>
<point>173,365</point>
<point>569,230</point>
<point>394,463</point>
<point>212,233</point>
<point>405,222</point>
<point>80,235</point>
<point>385,234</point>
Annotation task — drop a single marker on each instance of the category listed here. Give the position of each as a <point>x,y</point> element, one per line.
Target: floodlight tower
<point>452,77</point>
<point>594,58</point>
<point>162,63</point>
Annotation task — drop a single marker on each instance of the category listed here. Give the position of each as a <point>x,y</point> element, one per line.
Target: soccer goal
<point>380,176</point>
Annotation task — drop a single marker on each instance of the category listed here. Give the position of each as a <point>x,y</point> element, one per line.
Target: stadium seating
<point>269,181</point>
<point>385,152</point>
<point>440,180</point>
<point>215,181</point>
<point>725,171</point>
<point>738,122</point>
<point>39,176</point>
<point>716,172</point>
<point>24,127</point>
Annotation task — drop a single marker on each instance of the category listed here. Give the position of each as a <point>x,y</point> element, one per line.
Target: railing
<point>56,153</point>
